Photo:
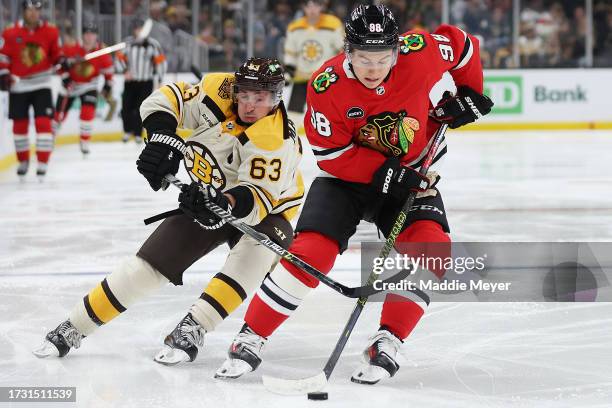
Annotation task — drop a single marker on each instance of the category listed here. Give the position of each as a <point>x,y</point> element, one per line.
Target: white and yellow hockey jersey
<point>308,46</point>
<point>226,153</point>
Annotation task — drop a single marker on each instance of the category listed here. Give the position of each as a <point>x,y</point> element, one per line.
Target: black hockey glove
<point>397,181</point>
<point>193,199</point>
<point>289,74</point>
<point>162,155</point>
<point>107,89</point>
<point>461,109</point>
<point>5,82</point>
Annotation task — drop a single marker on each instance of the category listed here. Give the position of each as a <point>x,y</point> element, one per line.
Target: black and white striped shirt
<point>143,60</point>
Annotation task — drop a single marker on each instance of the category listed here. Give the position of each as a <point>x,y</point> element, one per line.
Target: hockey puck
<point>318,396</point>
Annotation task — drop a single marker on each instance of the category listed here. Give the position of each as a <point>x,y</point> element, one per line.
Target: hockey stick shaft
<point>389,243</point>
<point>263,239</point>
<point>144,33</point>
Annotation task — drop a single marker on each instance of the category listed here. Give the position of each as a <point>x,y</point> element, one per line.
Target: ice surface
<point>59,238</point>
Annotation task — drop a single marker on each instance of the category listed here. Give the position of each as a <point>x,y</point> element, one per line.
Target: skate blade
<point>369,375</point>
<point>300,386</point>
<point>46,349</point>
<point>232,369</point>
<point>170,356</point>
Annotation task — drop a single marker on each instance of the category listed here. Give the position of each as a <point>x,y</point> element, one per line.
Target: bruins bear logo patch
<point>202,166</point>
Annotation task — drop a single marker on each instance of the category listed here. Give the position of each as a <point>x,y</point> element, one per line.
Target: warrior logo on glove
<point>202,166</point>
<point>389,133</point>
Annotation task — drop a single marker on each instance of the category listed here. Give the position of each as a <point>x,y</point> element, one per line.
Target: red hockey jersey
<point>84,74</point>
<point>339,107</point>
<point>30,55</point>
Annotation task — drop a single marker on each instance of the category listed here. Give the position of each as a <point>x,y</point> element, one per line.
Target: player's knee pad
<point>43,124</point>
<point>88,112</point>
<point>244,269</point>
<point>20,126</point>
<point>315,249</point>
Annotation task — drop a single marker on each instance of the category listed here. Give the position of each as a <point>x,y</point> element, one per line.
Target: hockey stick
<point>195,71</point>
<point>351,292</point>
<point>318,382</point>
<point>144,33</point>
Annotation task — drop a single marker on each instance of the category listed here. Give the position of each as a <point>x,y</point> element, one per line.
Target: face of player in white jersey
<point>254,105</point>
<point>372,67</point>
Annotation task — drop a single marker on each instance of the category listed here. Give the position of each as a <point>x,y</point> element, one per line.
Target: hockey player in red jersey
<point>81,81</point>
<point>29,52</point>
<point>357,104</point>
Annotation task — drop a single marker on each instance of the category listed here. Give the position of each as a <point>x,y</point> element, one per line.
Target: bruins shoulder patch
<point>225,89</point>
<point>412,43</point>
<point>324,80</point>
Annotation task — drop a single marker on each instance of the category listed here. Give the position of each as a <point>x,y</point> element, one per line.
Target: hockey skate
<point>243,355</point>
<point>22,169</point>
<point>379,358</point>
<point>41,171</point>
<point>126,137</point>
<point>84,145</point>
<point>58,342</point>
<point>183,343</point>
<point>138,139</point>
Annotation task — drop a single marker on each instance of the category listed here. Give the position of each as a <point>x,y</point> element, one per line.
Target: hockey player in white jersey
<point>244,152</point>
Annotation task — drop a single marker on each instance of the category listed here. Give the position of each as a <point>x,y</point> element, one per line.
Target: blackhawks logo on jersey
<point>389,133</point>
<point>324,80</point>
<point>412,43</point>
<point>32,54</point>
<point>202,166</point>
<point>83,69</point>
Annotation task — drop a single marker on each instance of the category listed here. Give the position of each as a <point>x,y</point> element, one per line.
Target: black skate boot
<point>58,342</point>
<point>379,358</point>
<point>183,343</point>
<point>243,355</point>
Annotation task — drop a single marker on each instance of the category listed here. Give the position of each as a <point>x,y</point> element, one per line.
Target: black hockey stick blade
<point>195,71</point>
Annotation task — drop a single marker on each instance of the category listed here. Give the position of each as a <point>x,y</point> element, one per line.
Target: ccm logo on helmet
<point>374,41</point>
<point>385,189</point>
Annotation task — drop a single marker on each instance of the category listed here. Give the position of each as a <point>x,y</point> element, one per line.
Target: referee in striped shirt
<point>141,62</point>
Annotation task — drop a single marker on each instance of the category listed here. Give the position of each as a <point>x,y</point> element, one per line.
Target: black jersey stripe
<point>212,106</point>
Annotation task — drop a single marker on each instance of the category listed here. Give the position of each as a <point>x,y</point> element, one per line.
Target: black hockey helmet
<point>371,28</point>
<point>260,74</point>
<point>37,4</point>
<point>90,27</point>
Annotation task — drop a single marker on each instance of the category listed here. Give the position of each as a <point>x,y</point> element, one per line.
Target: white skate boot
<point>379,358</point>
<point>243,355</point>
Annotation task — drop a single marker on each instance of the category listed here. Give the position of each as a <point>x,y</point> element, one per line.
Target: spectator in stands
<point>160,30</point>
<point>277,23</point>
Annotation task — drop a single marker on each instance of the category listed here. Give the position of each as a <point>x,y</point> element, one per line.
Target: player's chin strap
<point>263,239</point>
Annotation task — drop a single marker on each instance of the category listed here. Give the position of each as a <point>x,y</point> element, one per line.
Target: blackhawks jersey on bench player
<point>341,116</point>
<point>225,152</point>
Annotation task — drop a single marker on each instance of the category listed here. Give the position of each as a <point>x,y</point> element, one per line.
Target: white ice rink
<point>58,239</point>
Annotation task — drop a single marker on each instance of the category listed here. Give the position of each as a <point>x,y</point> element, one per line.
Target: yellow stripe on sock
<point>101,305</point>
<point>224,294</point>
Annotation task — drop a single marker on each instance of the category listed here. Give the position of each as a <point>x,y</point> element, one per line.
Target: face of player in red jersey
<point>31,16</point>
<point>371,67</point>
<point>254,105</point>
<point>89,39</point>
